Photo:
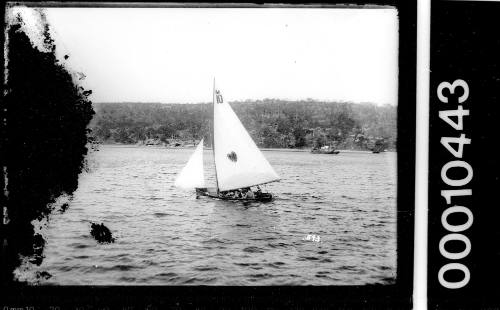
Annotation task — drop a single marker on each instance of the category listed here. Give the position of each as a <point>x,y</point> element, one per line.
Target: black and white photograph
<point>204,146</point>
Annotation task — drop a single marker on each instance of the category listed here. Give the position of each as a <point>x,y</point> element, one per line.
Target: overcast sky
<point>172,54</point>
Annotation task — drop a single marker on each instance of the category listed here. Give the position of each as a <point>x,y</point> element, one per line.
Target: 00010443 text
<point>455,232</point>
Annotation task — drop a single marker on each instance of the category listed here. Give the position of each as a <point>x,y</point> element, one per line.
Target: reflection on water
<point>165,236</point>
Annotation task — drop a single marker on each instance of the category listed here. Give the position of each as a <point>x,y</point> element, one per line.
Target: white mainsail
<point>191,176</point>
<point>238,161</point>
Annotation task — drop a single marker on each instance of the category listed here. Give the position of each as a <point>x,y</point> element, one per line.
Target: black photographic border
<point>462,47</point>
<point>397,295</point>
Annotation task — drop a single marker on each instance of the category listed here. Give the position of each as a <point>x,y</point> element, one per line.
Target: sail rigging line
<point>213,140</point>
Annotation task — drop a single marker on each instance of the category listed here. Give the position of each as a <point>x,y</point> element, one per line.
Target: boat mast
<point>213,139</point>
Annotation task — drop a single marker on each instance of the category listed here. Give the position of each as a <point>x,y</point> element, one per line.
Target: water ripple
<point>165,236</point>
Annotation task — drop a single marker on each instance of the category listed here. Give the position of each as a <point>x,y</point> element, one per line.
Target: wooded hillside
<point>270,122</point>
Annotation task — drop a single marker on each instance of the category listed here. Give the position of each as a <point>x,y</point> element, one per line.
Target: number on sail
<point>218,97</point>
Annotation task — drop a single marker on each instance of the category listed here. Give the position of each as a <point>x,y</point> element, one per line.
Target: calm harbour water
<point>165,236</point>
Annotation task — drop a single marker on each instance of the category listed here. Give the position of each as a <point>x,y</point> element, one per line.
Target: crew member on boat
<point>233,194</point>
<point>258,192</point>
<point>247,193</point>
<point>241,193</point>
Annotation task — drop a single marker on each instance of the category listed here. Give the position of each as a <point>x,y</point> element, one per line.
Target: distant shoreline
<point>277,124</point>
<point>305,150</point>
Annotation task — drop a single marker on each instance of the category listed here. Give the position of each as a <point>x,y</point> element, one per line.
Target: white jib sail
<point>238,161</point>
<point>191,176</point>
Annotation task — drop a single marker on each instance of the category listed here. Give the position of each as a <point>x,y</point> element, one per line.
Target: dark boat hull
<point>204,192</point>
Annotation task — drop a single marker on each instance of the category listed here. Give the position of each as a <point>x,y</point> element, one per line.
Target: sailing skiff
<point>238,162</point>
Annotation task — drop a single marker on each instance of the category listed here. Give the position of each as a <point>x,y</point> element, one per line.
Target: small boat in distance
<point>238,162</point>
<point>379,146</point>
<point>327,149</point>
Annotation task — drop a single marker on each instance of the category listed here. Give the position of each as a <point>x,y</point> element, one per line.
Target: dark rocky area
<point>44,139</point>
<point>101,233</point>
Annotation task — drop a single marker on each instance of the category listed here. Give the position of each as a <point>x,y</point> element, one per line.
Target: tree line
<point>272,123</point>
